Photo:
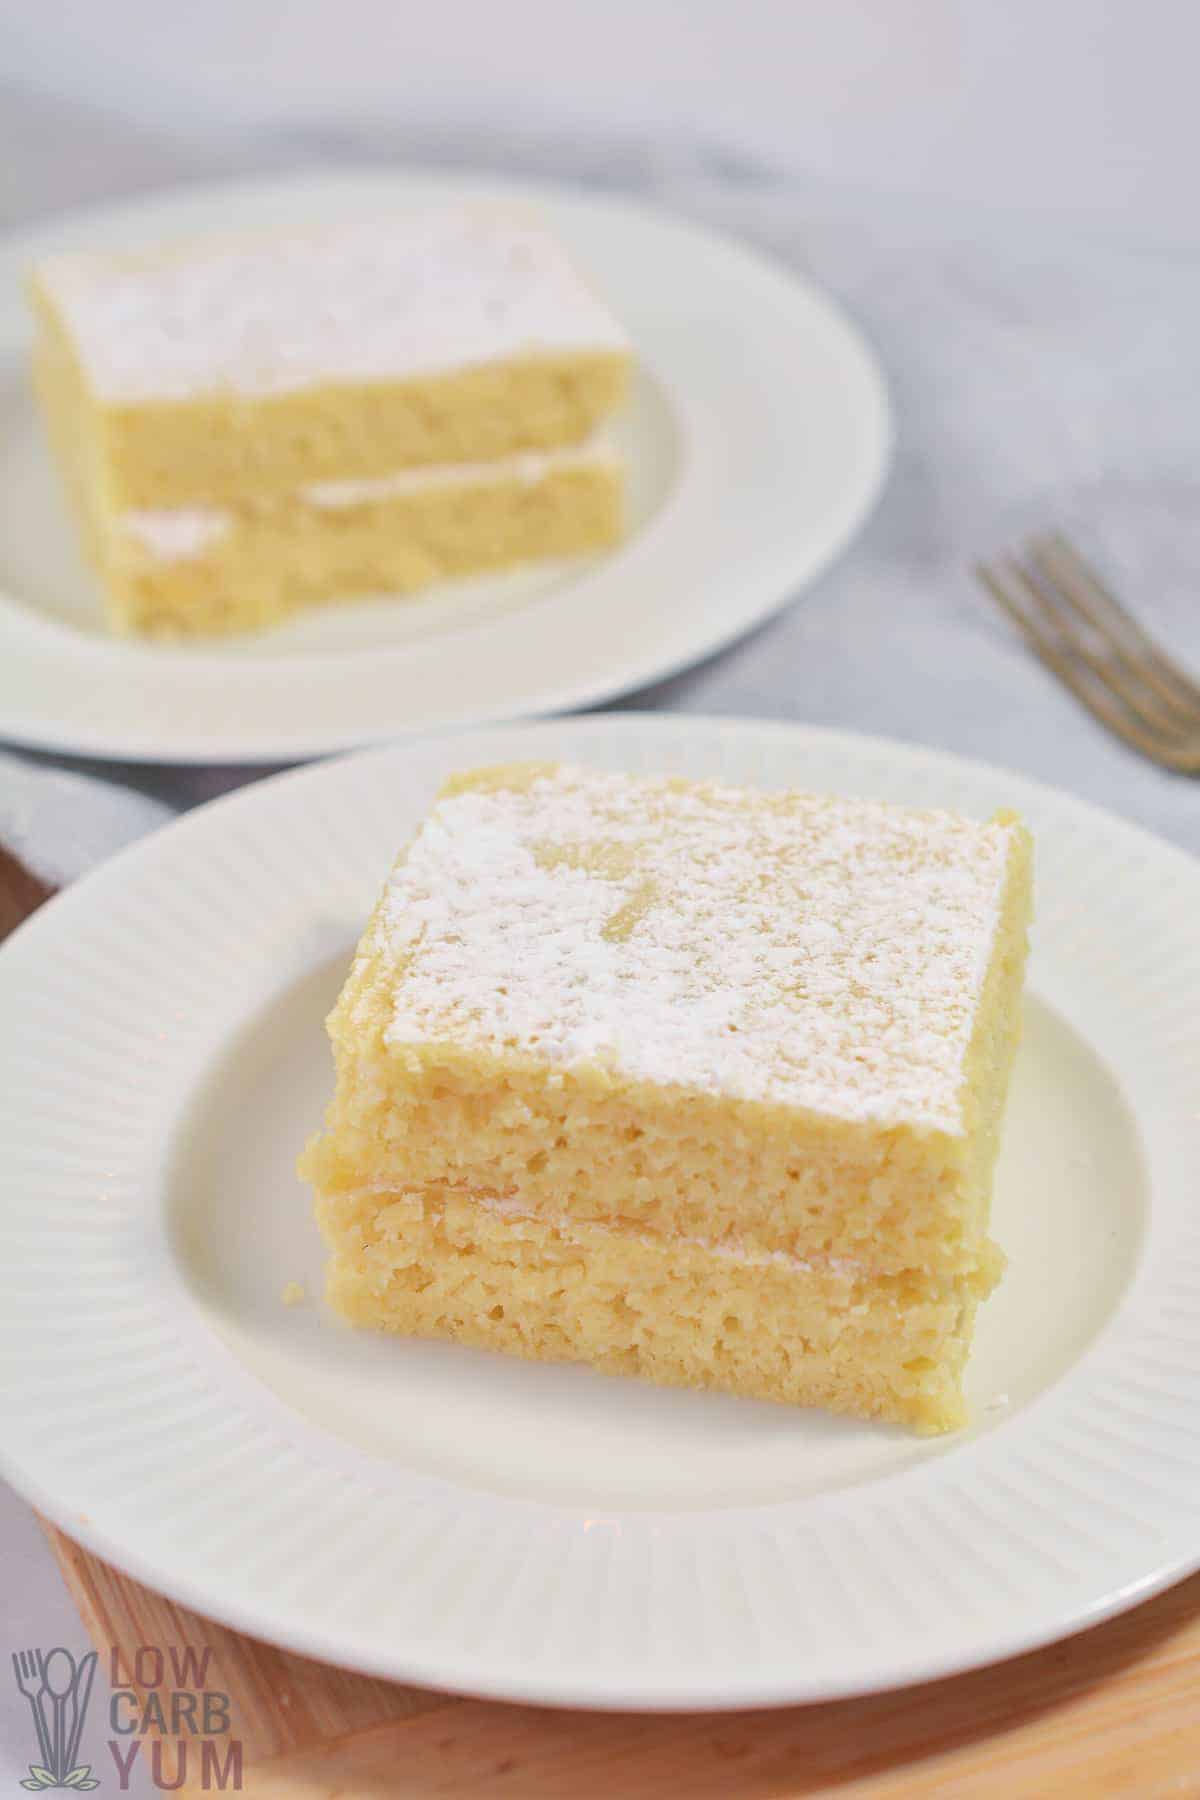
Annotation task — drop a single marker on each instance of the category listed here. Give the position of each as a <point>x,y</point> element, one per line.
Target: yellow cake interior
<point>205,571</point>
<point>446,1262</point>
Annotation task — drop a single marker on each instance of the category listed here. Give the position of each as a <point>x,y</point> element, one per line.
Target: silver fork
<point>27,1667</point>
<point>1096,647</point>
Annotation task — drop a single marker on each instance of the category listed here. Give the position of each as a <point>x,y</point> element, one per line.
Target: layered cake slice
<point>202,397</point>
<point>683,1081</point>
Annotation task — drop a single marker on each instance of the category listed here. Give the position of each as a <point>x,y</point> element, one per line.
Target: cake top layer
<point>792,948</point>
<point>395,297</point>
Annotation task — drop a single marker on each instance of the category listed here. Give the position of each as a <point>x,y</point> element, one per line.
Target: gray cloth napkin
<point>59,824</point>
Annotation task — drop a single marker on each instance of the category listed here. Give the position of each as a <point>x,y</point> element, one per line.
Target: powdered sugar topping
<point>814,951</point>
<point>403,295</point>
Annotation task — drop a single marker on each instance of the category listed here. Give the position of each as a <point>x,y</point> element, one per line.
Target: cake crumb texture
<point>201,572</point>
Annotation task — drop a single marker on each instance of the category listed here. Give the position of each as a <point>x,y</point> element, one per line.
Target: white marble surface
<point>1038,378</point>
<point>1083,108</point>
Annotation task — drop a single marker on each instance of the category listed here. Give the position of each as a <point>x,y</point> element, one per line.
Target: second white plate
<point>547,1533</point>
<point>757,439</point>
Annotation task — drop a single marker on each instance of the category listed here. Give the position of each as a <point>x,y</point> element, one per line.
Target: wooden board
<point>1114,1711</point>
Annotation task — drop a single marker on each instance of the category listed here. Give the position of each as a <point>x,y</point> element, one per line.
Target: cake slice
<point>223,368</point>
<point>249,425</point>
<point>683,1081</point>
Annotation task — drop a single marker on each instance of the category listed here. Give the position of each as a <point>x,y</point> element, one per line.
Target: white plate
<point>757,437</point>
<point>543,1533</point>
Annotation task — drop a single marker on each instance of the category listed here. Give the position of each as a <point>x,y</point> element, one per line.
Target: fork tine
<point>1005,581</point>
<point>994,580</point>
<point>1111,649</point>
<point>1062,564</point>
<point>1114,668</point>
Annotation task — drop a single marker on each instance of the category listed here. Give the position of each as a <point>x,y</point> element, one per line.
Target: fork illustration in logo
<point>58,1690</point>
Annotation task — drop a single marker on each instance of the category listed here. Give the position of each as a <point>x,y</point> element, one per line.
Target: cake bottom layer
<point>203,571</point>
<point>442,1263</point>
